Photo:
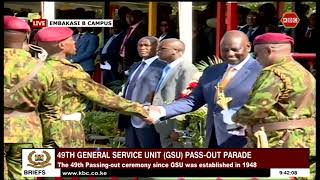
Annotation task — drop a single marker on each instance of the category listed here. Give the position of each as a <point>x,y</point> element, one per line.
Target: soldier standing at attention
<point>78,88</point>
<point>31,89</point>
<point>281,104</point>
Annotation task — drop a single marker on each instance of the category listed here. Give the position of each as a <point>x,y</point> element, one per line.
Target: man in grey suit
<point>174,79</point>
<point>140,87</point>
<point>236,77</point>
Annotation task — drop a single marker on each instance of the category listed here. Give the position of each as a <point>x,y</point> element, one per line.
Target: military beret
<point>53,34</point>
<point>273,38</point>
<point>15,24</point>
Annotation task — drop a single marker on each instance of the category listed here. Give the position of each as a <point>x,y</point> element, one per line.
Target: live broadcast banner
<point>169,162</point>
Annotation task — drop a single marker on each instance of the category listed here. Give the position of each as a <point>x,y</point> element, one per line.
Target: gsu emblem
<point>39,160</point>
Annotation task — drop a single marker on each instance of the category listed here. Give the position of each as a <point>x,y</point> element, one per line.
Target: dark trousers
<point>146,137</point>
<point>213,141</point>
<point>234,142</point>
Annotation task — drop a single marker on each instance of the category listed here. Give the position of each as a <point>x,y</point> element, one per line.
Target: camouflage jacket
<point>276,95</point>
<point>78,87</point>
<point>40,96</point>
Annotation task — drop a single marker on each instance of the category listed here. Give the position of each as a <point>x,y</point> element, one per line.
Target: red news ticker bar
<point>248,158</point>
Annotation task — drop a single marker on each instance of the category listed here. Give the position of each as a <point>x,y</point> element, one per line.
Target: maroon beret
<point>273,38</point>
<point>15,24</point>
<point>53,34</point>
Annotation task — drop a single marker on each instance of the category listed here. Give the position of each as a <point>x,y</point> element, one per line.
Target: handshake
<point>155,113</point>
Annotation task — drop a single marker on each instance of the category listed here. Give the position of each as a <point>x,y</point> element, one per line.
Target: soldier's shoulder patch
<point>69,64</point>
<point>285,80</point>
<point>76,66</point>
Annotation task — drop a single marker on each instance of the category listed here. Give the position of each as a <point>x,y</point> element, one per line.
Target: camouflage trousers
<point>64,134</point>
<point>13,160</point>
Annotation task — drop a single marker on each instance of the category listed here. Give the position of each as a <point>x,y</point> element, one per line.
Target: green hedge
<point>104,124</point>
<point>194,123</point>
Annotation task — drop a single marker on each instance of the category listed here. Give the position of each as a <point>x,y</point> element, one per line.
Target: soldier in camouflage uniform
<point>30,90</point>
<point>78,89</point>
<point>280,112</point>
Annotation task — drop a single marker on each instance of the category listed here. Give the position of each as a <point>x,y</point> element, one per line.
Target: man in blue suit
<point>142,83</point>
<point>86,45</point>
<point>220,130</point>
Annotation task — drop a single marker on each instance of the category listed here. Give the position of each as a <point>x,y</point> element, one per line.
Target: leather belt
<point>290,124</point>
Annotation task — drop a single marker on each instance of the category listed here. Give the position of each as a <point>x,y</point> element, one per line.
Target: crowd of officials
<point>46,93</point>
<point>252,23</point>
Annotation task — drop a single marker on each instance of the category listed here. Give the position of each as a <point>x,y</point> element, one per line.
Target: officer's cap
<point>15,24</point>
<point>273,38</point>
<point>53,34</point>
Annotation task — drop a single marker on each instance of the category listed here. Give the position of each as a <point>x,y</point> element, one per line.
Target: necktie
<point>226,79</point>
<point>132,82</point>
<point>79,36</point>
<point>105,47</point>
<point>228,76</point>
<point>308,34</point>
<point>249,33</point>
<point>163,76</point>
<point>124,41</point>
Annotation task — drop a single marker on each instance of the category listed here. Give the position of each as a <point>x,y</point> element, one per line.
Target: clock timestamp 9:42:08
<point>289,172</point>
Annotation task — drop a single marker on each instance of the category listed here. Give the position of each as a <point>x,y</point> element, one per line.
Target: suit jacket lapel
<point>82,41</point>
<point>240,76</point>
<point>221,71</point>
<point>171,74</point>
<point>134,32</point>
<point>131,70</point>
<point>148,70</point>
<point>210,88</point>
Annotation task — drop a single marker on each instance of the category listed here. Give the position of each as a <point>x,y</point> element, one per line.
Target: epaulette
<point>66,62</point>
<point>286,81</point>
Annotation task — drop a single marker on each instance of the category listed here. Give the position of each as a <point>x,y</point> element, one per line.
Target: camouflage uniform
<point>78,89</point>
<point>284,91</point>
<point>39,96</point>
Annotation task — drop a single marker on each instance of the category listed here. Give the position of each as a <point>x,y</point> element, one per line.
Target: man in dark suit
<point>253,27</point>
<point>142,82</point>
<point>110,53</point>
<point>310,42</point>
<point>174,79</point>
<point>167,30</point>
<point>86,45</point>
<point>236,77</point>
<point>128,49</point>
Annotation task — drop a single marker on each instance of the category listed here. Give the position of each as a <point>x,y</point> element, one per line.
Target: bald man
<point>174,79</point>
<point>142,82</point>
<point>234,79</point>
<point>282,100</point>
